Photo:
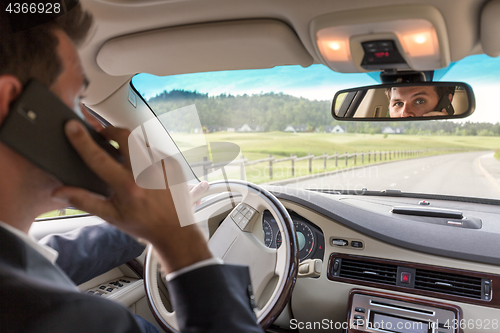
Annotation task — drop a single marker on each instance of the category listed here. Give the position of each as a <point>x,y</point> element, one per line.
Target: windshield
<point>275,126</point>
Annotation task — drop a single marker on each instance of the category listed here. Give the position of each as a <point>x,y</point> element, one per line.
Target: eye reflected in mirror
<point>415,101</point>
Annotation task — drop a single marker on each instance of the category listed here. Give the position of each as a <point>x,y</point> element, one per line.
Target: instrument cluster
<point>310,238</point>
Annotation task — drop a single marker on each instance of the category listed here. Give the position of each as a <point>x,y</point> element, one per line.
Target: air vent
<point>368,271</point>
<point>447,283</point>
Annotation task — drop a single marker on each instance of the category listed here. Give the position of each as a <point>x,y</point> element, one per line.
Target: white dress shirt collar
<point>44,250</point>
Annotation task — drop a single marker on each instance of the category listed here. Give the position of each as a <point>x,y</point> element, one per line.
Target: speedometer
<point>268,233</point>
<point>305,239</point>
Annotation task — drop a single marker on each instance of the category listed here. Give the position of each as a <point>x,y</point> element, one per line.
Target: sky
<point>317,82</point>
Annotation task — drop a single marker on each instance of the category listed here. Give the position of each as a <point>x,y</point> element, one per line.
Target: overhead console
<point>406,37</point>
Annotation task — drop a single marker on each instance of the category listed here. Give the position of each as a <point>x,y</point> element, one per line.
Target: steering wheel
<point>273,272</point>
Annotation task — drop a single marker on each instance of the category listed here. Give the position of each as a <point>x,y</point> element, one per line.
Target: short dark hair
<point>32,53</point>
<point>440,91</point>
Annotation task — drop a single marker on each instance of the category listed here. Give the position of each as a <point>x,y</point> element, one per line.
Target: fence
<point>342,159</point>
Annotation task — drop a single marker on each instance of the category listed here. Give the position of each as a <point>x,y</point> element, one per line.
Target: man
<point>35,295</point>
<point>418,101</point>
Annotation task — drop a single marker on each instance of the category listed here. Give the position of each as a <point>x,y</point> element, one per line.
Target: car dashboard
<point>441,270</point>
<point>374,264</point>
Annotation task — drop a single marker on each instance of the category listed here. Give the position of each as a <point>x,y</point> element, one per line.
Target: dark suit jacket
<point>36,296</point>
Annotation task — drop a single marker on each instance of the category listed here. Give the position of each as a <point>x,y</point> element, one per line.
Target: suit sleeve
<point>214,299</point>
<point>89,251</point>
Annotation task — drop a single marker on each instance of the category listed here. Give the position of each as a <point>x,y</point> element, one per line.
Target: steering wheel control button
<point>251,296</point>
<point>340,242</point>
<point>243,215</point>
<point>357,244</point>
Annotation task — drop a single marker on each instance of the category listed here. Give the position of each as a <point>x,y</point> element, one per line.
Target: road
<point>451,174</point>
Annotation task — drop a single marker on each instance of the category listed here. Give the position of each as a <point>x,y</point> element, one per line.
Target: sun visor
<point>490,27</point>
<point>403,37</point>
<point>205,47</point>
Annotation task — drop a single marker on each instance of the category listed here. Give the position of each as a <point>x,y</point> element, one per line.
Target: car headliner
<point>116,18</point>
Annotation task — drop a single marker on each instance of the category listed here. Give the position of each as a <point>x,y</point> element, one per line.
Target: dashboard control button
<point>357,244</point>
<point>359,317</point>
<point>102,287</point>
<point>362,310</point>
<point>357,322</point>
<point>405,277</point>
<point>109,289</point>
<point>487,288</point>
<point>443,325</point>
<point>340,242</point>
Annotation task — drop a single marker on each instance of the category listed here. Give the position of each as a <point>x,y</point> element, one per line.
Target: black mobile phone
<point>444,103</point>
<point>34,128</point>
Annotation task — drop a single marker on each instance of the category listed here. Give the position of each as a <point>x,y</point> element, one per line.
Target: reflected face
<point>412,101</point>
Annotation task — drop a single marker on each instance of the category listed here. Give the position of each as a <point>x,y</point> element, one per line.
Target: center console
<point>372,311</point>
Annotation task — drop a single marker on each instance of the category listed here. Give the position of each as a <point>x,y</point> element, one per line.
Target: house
<point>245,128</point>
<point>296,128</point>
<point>215,128</point>
<point>259,128</point>
<point>337,129</point>
<point>393,130</point>
<point>248,128</point>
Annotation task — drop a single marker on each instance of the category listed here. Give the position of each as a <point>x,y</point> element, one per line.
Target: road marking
<point>485,172</point>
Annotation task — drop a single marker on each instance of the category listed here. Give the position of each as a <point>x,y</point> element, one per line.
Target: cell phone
<point>444,103</point>
<point>34,128</point>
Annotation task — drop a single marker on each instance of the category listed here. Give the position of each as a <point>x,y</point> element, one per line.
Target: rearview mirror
<point>405,101</point>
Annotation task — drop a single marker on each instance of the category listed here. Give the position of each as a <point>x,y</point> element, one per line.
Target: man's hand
<point>148,214</point>
<point>436,113</point>
<point>197,190</point>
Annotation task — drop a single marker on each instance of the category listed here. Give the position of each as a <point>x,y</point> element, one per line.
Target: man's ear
<point>10,88</point>
<point>450,97</point>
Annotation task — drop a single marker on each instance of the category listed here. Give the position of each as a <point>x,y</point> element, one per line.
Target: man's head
<point>48,54</point>
<point>416,101</point>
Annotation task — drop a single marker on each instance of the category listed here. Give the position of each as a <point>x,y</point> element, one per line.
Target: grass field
<point>279,144</point>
